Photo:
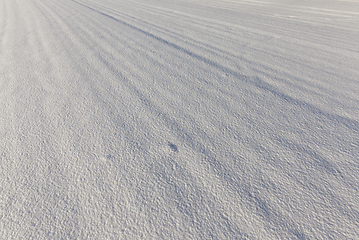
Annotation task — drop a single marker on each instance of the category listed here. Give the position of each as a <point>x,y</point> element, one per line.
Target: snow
<point>186,119</point>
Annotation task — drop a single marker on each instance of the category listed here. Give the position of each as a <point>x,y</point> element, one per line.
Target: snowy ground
<point>181,119</point>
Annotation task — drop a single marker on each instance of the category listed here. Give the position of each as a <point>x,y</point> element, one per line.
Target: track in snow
<point>179,119</point>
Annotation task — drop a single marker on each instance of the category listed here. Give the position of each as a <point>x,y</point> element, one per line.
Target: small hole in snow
<point>173,147</point>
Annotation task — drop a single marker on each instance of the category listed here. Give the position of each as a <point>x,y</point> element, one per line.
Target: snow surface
<point>179,119</point>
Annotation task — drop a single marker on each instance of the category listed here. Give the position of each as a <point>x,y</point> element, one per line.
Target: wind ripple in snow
<point>179,119</point>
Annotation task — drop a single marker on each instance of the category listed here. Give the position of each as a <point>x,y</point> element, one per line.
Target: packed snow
<point>180,119</point>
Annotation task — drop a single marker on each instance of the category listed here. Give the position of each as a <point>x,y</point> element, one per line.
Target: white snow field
<point>179,119</point>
